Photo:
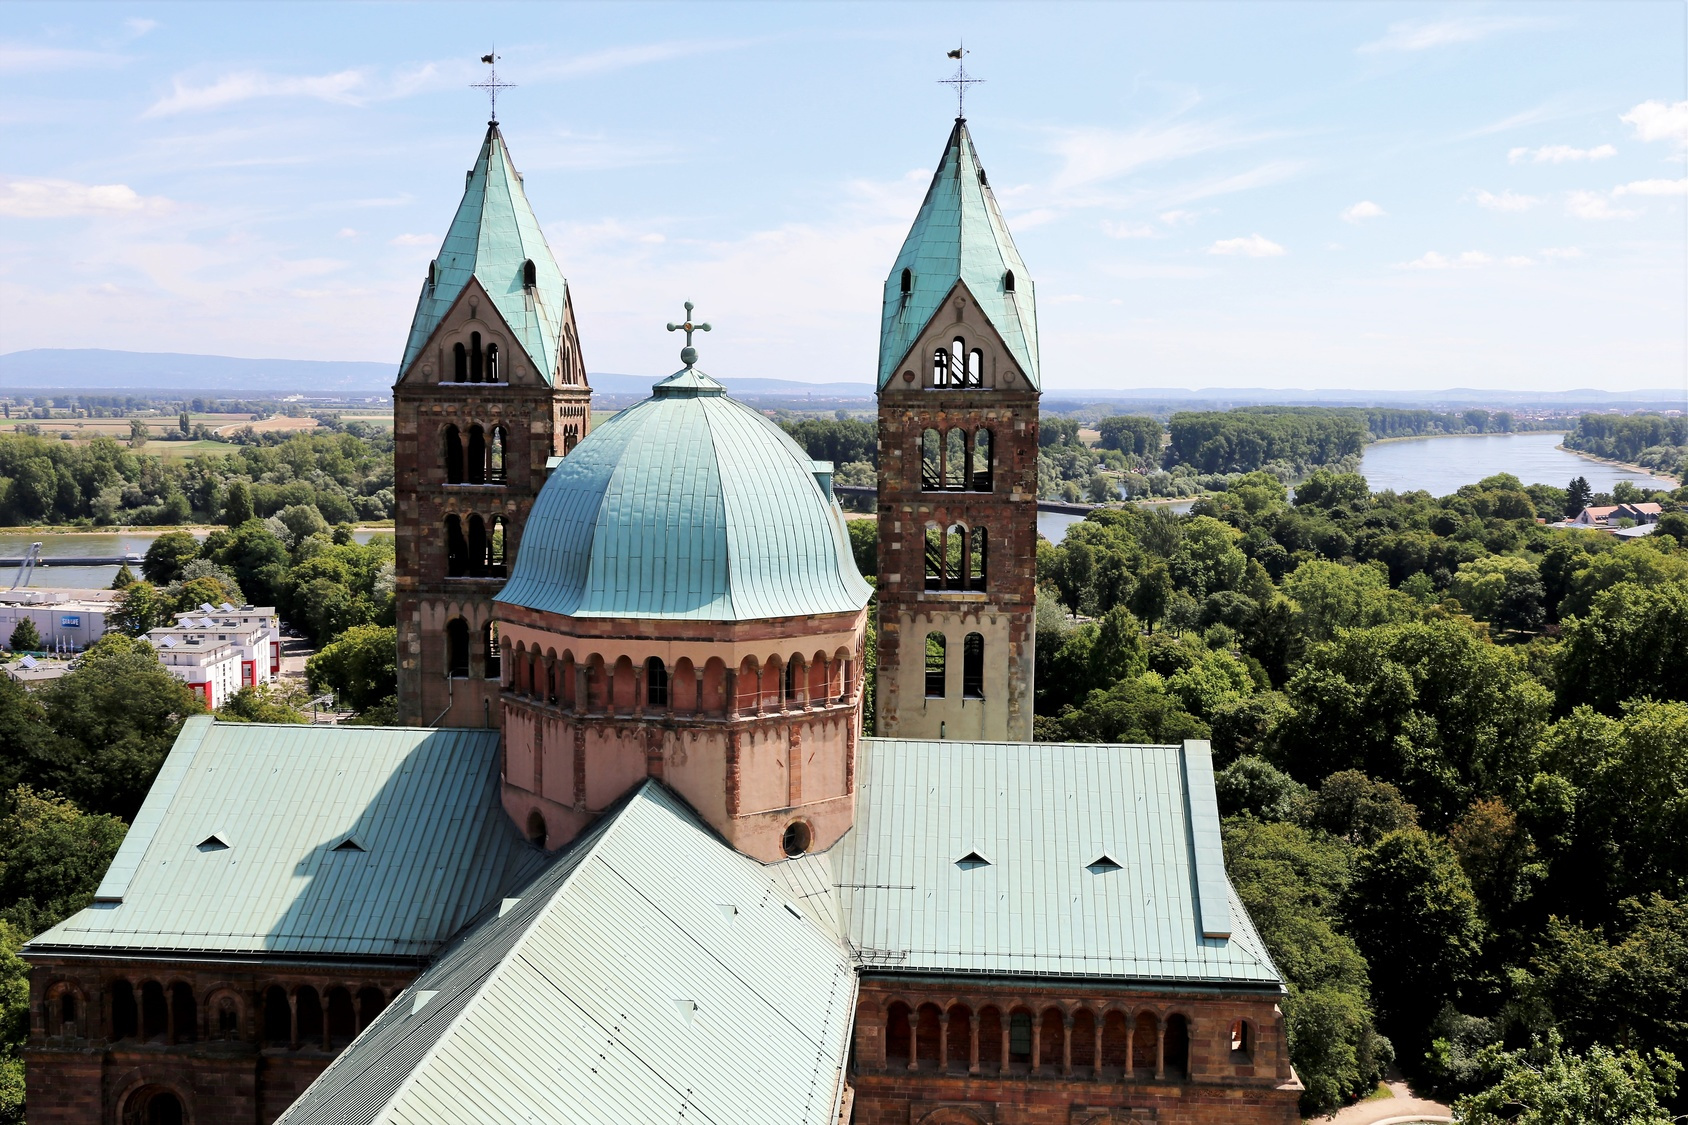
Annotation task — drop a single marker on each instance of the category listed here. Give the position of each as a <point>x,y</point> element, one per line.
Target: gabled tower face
<point>959,385</point>
<point>491,386</point>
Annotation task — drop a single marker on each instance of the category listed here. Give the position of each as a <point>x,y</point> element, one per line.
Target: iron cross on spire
<point>960,81</point>
<point>492,85</point>
<point>688,354</point>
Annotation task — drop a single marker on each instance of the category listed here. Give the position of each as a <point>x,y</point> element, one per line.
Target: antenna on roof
<point>960,80</point>
<point>492,85</point>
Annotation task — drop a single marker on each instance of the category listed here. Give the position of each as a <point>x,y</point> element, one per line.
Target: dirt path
<point>1398,1110</point>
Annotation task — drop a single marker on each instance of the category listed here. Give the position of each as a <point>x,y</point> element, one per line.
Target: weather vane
<point>492,85</point>
<point>688,354</point>
<point>960,81</point>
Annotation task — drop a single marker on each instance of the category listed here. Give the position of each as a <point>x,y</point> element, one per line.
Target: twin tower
<point>492,391</point>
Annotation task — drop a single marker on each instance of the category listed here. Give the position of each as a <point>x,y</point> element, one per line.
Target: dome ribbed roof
<point>688,505</point>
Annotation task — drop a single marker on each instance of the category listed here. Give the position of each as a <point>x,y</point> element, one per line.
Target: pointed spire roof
<point>959,235</point>
<point>492,237</point>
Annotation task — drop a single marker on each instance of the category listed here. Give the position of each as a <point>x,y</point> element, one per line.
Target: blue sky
<point>1251,195</point>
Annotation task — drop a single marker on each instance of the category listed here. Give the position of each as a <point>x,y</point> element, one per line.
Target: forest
<point>1652,441</point>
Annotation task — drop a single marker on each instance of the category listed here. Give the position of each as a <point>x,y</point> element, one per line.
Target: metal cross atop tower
<point>960,81</point>
<point>492,85</point>
<point>688,354</point>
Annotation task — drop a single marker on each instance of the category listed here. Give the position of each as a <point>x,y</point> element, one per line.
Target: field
<point>86,429</point>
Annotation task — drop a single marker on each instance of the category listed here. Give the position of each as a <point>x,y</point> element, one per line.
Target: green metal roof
<point>650,974</point>
<point>422,805</point>
<point>492,235</point>
<point>687,505</point>
<point>959,235</point>
<point>1049,821</point>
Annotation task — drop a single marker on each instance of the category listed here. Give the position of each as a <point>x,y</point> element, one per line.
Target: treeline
<point>346,476</point>
<point>1652,441</point>
<point>843,441</point>
<point>1453,745</point>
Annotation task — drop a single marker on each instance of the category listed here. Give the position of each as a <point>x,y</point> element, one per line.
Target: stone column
<point>293,1015</point>
<point>1160,1052</point>
<point>1130,1074</point>
<point>170,1015</point>
<point>973,1043</point>
<point>943,1040</point>
<point>1101,1020</point>
<point>1067,1046</point>
<point>1006,1025</point>
<point>1037,1042</point>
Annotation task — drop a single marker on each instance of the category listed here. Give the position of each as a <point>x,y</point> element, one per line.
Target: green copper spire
<point>493,238</point>
<point>959,235</point>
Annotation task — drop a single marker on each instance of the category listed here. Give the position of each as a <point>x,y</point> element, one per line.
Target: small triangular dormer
<point>349,844</point>
<point>216,842</point>
<point>1102,865</point>
<point>971,861</point>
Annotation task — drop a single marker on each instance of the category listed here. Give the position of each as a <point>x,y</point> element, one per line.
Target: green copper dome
<point>689,505</point>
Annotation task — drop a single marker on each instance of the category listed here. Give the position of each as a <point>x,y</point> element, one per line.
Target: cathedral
<point>633,858</point>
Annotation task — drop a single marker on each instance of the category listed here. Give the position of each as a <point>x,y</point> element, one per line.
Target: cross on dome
<point>688,354</point>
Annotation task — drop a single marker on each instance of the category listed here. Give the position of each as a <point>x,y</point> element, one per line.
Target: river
<point>101,544</point>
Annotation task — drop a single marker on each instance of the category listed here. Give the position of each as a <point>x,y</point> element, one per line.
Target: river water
<point>94,544</point>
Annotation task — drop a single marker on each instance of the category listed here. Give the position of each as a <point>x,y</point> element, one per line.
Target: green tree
<point>1578,496</point>
<point>14,1023</point>
<point>255,556</point>
<point>137,609</point>
<point>123,579</point>
<point>258,705</point>
<point>25,636</point>
<point>1326,488</point>
<point>1351,806</point>
<point>237,505</point>
<point>1632,642</point>
<point>864,544</point>
<point>1639,563</point>
<point>167,555</point>
<point>1547,1085</point>
<point>117,714</point>
<point>361,668</point>
<point>1411,909</point>
<point>52,855</point>
<point>302,521</point>
<point>1329,596</point>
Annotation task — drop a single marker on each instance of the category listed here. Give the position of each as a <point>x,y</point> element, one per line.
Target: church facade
<point>634,858</point>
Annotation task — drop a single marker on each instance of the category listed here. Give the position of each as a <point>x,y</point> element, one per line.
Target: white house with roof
<point>254,630</point>
<point>1608,517</point>
<point>196,656</point>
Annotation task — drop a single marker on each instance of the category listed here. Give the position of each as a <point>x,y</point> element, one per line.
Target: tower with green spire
<point>490,388</point>
<point>958,386</point>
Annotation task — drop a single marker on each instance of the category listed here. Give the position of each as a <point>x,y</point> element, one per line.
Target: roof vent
<point>216,842</point>
<point>1102,864</point>
<point>971,860</point>
<point>687,1009</point>
<point>350,844</point>
<point>420,1000</point>
<point>1008,281</point>
<point>507,905</point>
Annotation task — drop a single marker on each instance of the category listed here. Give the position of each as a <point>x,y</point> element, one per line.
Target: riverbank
<point>151,529</point>
<point>1433,437</point>
<point>1674,481</point>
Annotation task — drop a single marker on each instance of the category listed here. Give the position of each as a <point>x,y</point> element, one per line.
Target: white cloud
<point>643,54</point>
<point>1416,35</point>
<point>59,199</point>
<point>1656,121</point>
<point>139,27</point>
<point>346,87</point>
<point>1506,201</point>
<point>1594,205</point>
<point>1518,260</point>
<point>1253,246</point>
<point>1470,259</point>
<point>1560,154</point>
<point>1653,187</point>
<point>1131,230</point>
<point>1177,218</point>
<point>346,232</point>
<point>1365,209</point>
<point>1561,253</point>
<point>414,240</point>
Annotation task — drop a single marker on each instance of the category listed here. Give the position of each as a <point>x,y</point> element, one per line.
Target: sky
<point>1326,195</point>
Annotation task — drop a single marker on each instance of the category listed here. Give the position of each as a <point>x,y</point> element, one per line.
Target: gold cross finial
<point>688,354</point>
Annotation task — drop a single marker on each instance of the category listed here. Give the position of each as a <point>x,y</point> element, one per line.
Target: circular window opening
<point>154,1105</point>
<point>797,838</point>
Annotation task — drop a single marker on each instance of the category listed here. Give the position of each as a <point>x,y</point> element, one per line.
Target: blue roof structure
<point>959,236</point>
<point>493,235</point>
<point>261,839</point>
<point>689,505</point>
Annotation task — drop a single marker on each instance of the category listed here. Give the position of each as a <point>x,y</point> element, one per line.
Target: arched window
<point>936,646</point>
<point>67,1011</point>
<point>908,282</point>
<point>955,459</point>
<point>973,666</point>
<point>1020,1037</point>
<point>1177,1056</point>
<point>955,564</point>
<point>931,460</point>
<point>371,1002</point>
<point>495,547</point>
<point>492,375</point>
<point>227,1022</point>
<point>958,362</point>
<point>978,543</point>
<point>309,1007</point>
<point>456,548</point>
<point>1050,1031</point>
<point>990,1040</point>
<point>489,646</point>
<point>928,1035</point>
<point>793,677</point>
<point>125,1016</point>
<point>495,456</point>
<point>153,1105</point>
<point>155,1012</point>
<point>278,1017</point>
<point>982,442</point>
<point>184,1013</point>
<point>1084,1041</point>
<point>452,445</point>
<point>975,368</point>
<point>536,830</point>
<point>1145,1043</point>
<point>1242,1043</point>
<point>474,463</point>
<point>477,359</point>
<point>570,440</point>
<point>530,274</point>
<point>460,363</point>
<point>342,1017</point>
<point>958,1030</point>
<point>934,558</point>
<point>1008,281</point>
<point>457,648</point>
<point>477,546</point>
<point>899,1035</point>
<point>656,683</point>
<point>433,273</point>
<point>940,368</point>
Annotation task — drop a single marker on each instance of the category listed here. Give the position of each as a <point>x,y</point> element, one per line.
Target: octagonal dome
<point>689,505</point>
